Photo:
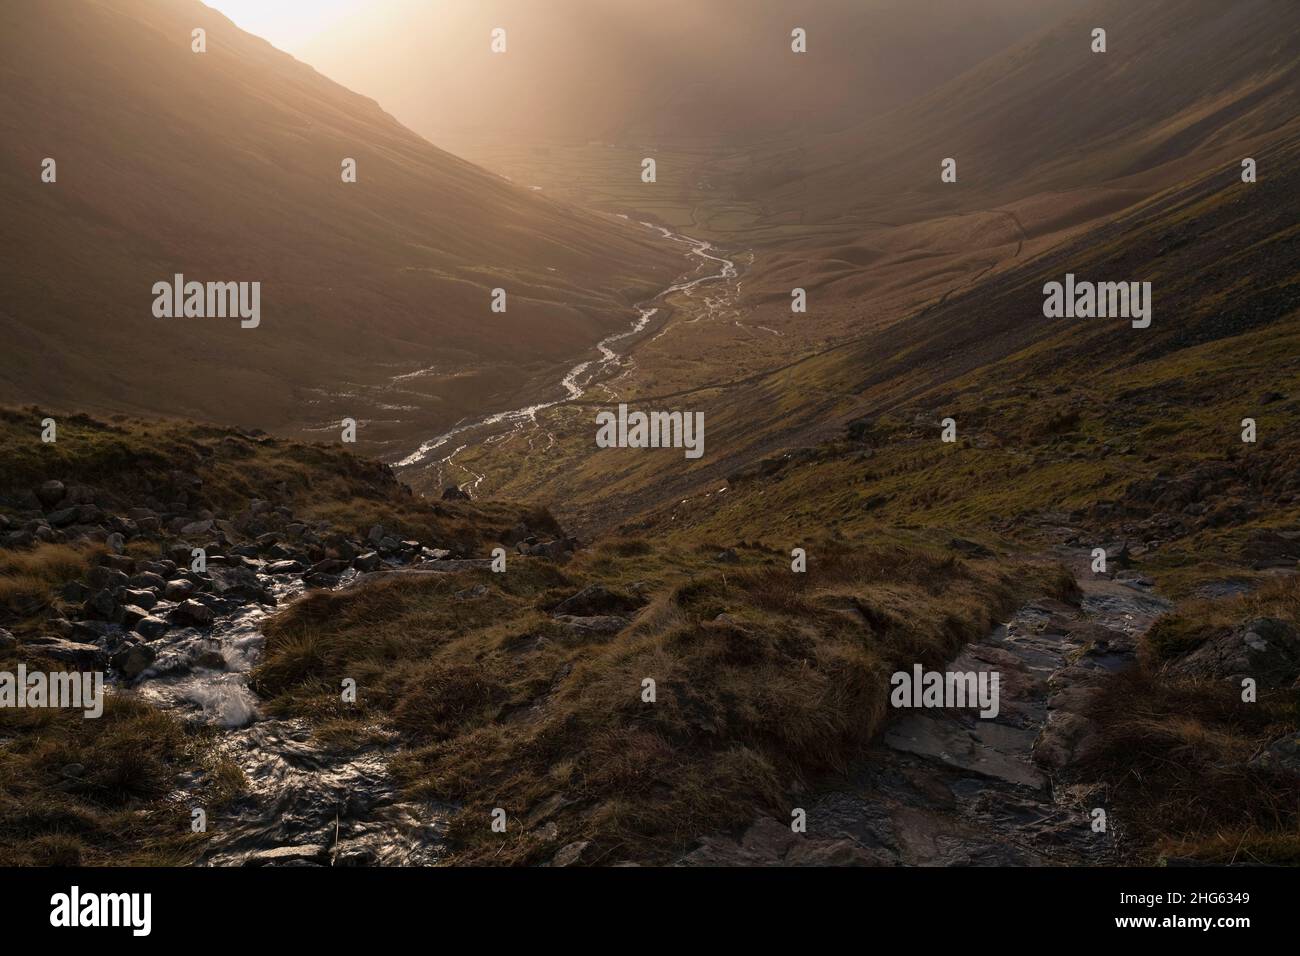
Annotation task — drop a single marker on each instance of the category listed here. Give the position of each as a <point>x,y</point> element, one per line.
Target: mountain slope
<point>672,71</point>
<point>226,166</point>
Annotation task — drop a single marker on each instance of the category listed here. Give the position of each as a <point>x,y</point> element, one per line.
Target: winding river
<point>576,382</point>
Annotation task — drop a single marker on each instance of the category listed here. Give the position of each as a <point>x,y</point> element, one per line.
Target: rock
<point>330,566</point>
<point>1263,549</point>
<point>151,628</point>
<point>7,641</point>
<point>211,659</point>
<point>477,591</point>
<point>119,562</point>
<point>285,567</point>
<point>62,518</point>
<point>377,534</point>
<point>101,605</point>
<point>1266,649</point>
<point>727,556</point>
<point>86,656</point>
<point>369,561</point>
<point>144,599</point>
<point>116,541</point>
<point>50,493</point>
<point>239,584</point>
<point>322,581</point>
<point>596,599</point>
<point>454,493</point>
<point>607,624</point>
<point>132,660</point>
<point>179,590</point>
<point>192,612</point>
<point>75,592</point>
<point>106,577</point>
<point>148,581</point>
<point>197,527</point>
<point>1282,756</point>
<point>570,853</point>
<point>130,615</point>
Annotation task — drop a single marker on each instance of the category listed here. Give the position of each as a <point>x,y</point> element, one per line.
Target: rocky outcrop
<point>1266,649</point>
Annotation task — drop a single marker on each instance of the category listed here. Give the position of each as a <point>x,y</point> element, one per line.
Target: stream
<point>580,378</point>
<point>303,802</point>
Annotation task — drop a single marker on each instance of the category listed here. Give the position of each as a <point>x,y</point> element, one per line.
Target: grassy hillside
<point>227,167</point>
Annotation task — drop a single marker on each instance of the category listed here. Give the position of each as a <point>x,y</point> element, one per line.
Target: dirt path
<point>948,788</point>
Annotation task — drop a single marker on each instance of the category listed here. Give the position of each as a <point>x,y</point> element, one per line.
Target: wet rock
<point>151,628</point>
<point>238,584</point>
<point>132,660</point>
<point>130,616</point>
<point>330,566</point>
<point>1265,649</point>
<point>191,612</point>
<point>322,581</point>
<point>288,566</point>
<point>370,561</point>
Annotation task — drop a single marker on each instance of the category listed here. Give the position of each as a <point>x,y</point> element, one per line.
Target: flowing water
<point>581,377</point>
<point>304,801</point>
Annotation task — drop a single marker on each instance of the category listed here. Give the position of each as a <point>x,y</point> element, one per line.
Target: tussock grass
<point>763,679</point>
<point>1175,755</point>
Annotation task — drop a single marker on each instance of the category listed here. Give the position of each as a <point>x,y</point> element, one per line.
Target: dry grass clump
<point>762,679</point>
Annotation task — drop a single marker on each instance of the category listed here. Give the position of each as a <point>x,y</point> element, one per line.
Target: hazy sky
<point>287,24</point>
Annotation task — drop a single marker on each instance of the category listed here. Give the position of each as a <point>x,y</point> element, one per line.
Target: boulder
<point>179,590</point>
<point>454,493</point>
<point>1266,649</point>
<point>140,598</point>
<point>132,660</point>
<point>151,628</point>
<point>238,583</point>
<point>86,656</point>
<point>369,561</point>
<point>191,612</point>
<point>50,493</point>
